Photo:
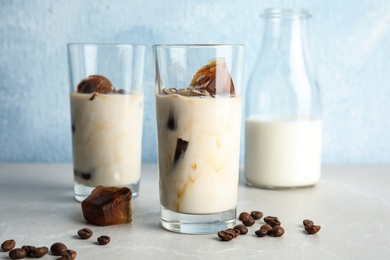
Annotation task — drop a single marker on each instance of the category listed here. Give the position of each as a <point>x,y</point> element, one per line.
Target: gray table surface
<point>351,203</point>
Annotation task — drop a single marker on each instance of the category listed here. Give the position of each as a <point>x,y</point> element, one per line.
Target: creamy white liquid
<point>282,151</point>
<point>205,178</point>
<point>107,138</point>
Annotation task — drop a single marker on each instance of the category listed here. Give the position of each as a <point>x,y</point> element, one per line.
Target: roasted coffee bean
<point>272,221</point>
<point>225,236</point>
<point>312,229</point>
<point>232,231</point>
<point>17,253</point>
<point>277,231</point>
<point>85,233</point>
<point>58,248</point>
<point>68,254</point>
<point>8,245</point>
<point>248,222</point>
<point>38,252</point>
<point>256,215</point>
<point>263,231</point>
<point>103,240</point>
<point>243,230</point>
<point>244,216</point>
<point>307,222</point>
<point>28,249</point>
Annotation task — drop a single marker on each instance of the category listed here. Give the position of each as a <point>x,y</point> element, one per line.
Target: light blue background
<point>350,42</point>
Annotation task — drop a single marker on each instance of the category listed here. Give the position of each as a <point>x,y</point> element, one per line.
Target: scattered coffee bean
<point>103,240</point>
<point>256,215</point>
<point>8,245</point>
<point>263,231</point>
<point>28,250</point>
<point>307,222</point>
<point>228,234</point>
<point>312,229</point>
<point>17,253</point>
<point>248,222</point>
<point>85,233</point>
<point>244,216</point>
<point>68,254</point>
<point>277,231</point>
<point>235,232</point>
<point>225,236</point>
<point>38,252</point>
<point>272,221</point>
<point>243,230</point>
<point>58,248</point>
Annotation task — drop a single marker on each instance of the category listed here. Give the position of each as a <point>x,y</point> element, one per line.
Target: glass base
<point>197,223</point>
<point>81,191</point>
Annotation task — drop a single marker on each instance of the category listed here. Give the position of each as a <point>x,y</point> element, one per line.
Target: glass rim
<point>292,13</point>
<point>105,44</point>
<point>196,45</point>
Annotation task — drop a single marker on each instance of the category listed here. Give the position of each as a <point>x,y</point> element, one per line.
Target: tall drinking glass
<point>198,112</point>
<point>106,101</point>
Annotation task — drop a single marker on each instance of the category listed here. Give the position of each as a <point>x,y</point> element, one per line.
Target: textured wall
<point>351,47</point>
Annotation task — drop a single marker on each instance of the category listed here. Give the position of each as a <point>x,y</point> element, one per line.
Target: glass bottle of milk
<point>283,126</point>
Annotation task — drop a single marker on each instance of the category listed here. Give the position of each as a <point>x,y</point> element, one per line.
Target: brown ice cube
<point>214,78</point>
<point>95,83</point>
<point>108,206</point>
<point>181,147</point>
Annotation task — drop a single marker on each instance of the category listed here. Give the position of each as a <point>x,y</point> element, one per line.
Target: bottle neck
<point>285,34</point>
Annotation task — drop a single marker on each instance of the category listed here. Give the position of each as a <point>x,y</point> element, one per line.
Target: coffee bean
<point>307,222</point>
<point>234,232</point>
<point>272,221</point>
<point>243,230</point>
<point>277,231</point>
<point>225,236</point>
<point>68,254</point>
<point>103,240</point>
<point>263,231</point>
<point>248,222</point>
<point>256,215</point>
<point>28,249</point>
<point>38,252</point>
<point>17,253</point>
<point>85,233</point>
<point>58,248</point>
<point>244,216</point>
<point>8,245</point>
<point>312,229</point>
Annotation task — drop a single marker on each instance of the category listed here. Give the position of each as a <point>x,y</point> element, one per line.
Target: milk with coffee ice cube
<point>198,130</point>
<point>106,133</point>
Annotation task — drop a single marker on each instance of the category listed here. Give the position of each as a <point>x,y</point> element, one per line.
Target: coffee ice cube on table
<point>108,206</point>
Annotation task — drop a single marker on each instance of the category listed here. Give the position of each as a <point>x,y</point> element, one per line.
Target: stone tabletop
<point>351,204</point>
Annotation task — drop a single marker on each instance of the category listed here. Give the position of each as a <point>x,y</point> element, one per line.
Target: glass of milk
<point>198,112</point>
<point>283,126</point>
<point>106,103</point>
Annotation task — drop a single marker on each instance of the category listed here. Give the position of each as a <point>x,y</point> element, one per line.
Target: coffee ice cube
<point>214,78</point>
<point>95,83</point>
<point>108,206</point>
<point>181,147</point>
